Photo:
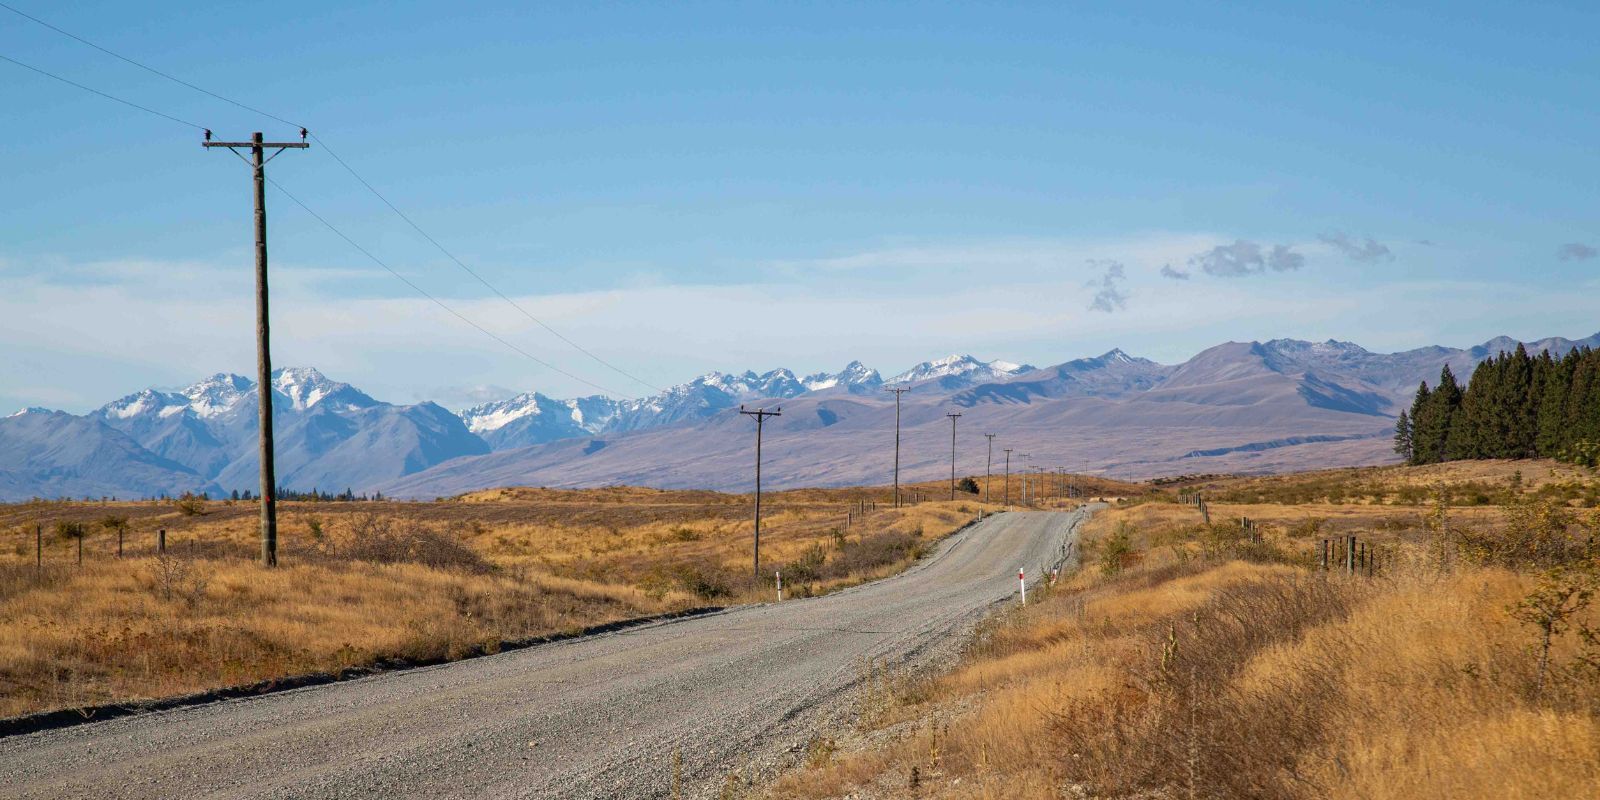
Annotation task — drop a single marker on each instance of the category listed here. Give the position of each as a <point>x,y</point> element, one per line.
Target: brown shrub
<point>385,540</point>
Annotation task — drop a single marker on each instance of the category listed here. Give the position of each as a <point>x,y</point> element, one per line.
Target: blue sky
<point>725,186</point>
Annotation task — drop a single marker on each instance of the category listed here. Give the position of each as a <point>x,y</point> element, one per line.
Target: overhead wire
<point>353,173</point>
<point>440,303</point>
<point>364,251</point>
<point>90,90</point>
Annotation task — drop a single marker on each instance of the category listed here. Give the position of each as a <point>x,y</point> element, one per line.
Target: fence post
<point>119,543</point>
<point>80,548</point>
<point>1350,555</point>
<point>1324,555</point>
<point>161,540</point>
<point>38,547</point>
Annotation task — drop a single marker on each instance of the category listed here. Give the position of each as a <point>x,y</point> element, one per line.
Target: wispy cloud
<point>1176,274</point>
<point>1245,257</point>
<point>1367,250</point>
<point>1109,295</point>
<point>465,396</point>
<point>1576,251</point>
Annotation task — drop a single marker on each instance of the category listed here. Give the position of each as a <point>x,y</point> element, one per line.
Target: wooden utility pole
<point>953,417</point>
<point>988,462</point>
<point>269,490</point>
<point>897,393</point>
<point>761,415</point>
<point>1008,476</point>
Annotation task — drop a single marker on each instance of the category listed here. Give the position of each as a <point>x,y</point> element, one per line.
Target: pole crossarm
<point>264,145</point>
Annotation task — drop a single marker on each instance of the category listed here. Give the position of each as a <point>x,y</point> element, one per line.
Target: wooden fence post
<point>1324,555</point>
<point>1350,555</point>
<point>38,547</point>
<point>161,540</point>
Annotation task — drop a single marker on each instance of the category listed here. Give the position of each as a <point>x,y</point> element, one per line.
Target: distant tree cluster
<point>1515,406</point>
<point>317,495</point>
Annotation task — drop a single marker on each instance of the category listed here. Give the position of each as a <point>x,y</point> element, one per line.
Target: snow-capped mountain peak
<point>960,366</point>
<point>854,375</point>
<point>306,387</point>
<point>494,416</point>
<point>143,402</point>
<point>217,394</point>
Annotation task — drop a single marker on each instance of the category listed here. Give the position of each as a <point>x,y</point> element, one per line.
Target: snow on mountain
<point>958,371</point>
<point>855,377</point>
<point>959,365</point>
<point>1110,375</point>
<point>533,418</point>
<point>306,387</point>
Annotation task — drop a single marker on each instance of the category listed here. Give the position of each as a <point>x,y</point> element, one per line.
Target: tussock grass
<point>362,584</point>
<point>1211,666</point>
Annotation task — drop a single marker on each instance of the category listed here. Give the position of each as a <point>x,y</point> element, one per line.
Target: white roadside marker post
<point>1022,586</point>
<point>779,575</point>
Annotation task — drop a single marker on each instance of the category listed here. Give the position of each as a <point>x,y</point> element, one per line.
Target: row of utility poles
<point>1036,485</point>
<point>258,151</point>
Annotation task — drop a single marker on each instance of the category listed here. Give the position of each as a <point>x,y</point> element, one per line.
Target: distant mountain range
<point>1249,406</point>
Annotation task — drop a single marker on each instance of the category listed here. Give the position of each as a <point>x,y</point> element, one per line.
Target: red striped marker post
<point>1022,586</point>
<point>779,575</point>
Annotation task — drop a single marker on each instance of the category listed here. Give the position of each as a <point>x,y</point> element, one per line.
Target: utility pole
<point>269,490</point>
<point>761,415</point>
<point>897,393</point>
<point>1024,457</point>
<point>1008,477</point>
<point>953,418</point>
<point>988,462</point>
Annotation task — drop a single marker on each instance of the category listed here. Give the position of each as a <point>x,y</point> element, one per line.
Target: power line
<point>363,181</point>
<point>111,97</point>
<point>339,233</point>
<point>364,251</point>
<point>145,67</point>
<point>319,218</point>
<point>480,278</point>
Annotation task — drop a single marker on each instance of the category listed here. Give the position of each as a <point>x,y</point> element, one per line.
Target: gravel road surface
<point>598,717</point>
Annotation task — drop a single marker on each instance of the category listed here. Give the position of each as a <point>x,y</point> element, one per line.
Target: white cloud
<point>1576,251</point>
<point>82,343</point>
<point>1366,251</point>
<point>1244,257</point>
<point>1109,295</point>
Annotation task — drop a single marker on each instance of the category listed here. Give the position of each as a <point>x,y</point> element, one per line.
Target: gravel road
<point>598,717</point>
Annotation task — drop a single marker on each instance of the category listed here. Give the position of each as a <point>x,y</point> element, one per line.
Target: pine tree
<point>1402,436</point>
<point>1424,439</point>
<point>1471,431</point>
<point>1583,402</point>
<point>1551,436</point>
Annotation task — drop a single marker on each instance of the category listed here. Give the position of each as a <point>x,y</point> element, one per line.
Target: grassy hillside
<point>1190,660</point>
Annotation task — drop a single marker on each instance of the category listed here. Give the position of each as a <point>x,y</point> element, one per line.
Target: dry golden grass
<point>1203,672</point>
<point>362,584</point>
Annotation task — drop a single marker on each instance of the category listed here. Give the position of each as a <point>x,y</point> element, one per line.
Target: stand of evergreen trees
<point>1515,406</point>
